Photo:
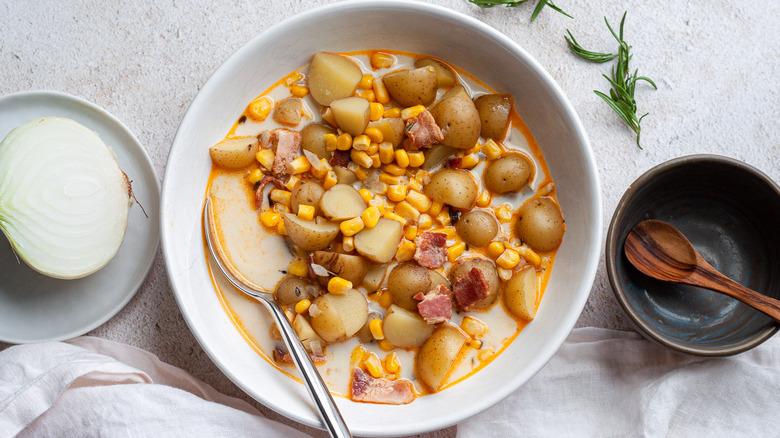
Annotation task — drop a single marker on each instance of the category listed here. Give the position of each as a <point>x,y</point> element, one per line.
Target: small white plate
<point>36,308</point>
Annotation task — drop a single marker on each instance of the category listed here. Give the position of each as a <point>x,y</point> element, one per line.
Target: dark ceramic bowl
<point>731,213</point>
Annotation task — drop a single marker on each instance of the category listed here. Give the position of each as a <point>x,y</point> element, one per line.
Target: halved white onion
<point>64,200</point>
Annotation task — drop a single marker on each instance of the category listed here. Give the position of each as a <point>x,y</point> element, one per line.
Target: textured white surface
<point>713,61</point>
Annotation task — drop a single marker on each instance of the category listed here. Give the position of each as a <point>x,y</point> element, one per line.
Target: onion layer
<point>64,200</point>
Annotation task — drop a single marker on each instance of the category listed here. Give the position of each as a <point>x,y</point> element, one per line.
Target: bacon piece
<point>340,158</point>
<point>261,187</point>
<point>436,305</point>
<point>470,288</point>
<point>368,389</point>
<point>431,252</point>
<point>287,143</point>
<point>454,163</point>
<point>423,131</point>
<point>284,357</point>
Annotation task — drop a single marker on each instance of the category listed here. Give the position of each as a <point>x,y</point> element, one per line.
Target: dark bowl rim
<point>612,252</point>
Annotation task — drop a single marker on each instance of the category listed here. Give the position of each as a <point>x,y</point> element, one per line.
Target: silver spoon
<point>319,393</point>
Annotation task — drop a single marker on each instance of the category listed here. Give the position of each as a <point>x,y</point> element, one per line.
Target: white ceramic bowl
<point>414,27</point>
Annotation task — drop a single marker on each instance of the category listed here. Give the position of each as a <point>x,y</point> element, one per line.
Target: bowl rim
<point>589,268</point>
<point>612,252</point>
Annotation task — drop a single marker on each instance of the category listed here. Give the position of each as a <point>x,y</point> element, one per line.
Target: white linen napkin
<point>600,383</point>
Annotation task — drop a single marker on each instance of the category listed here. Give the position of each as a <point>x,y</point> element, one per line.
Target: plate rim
<point>61,99</point>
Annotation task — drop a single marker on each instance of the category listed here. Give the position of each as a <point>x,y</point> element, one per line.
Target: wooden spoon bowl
<point>730,212</point>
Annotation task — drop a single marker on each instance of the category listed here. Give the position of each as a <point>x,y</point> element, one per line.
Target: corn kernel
<point>293,78</point>
<point>361,143</point>
<point>371,216</point>
<point>270,218</point>
<point>390,179</point>
<point>373,149</point>
<point>280,196</point>
<point>449,231</point>
<point>546,189</point>
<point>330,180</point>
<point>491,149</point>
<point>361,158</point>
<point>415,184</point>
<point>357,355</point>
<point>298,269</point>
<point>366,82</point>
<point>394,169</point>
<point>331,141</point>
<point>377,110</point>
<point>321,169</point>
<point>366,195</point>
<point>375,161</point>
<point>391,363</point>
<point>508,259</point>
<point>504,213</point>
<point>405,251</point>
<point>375,326</point>
<point>338,285</point>
<point>419,201</point>
<point>474,149</point>
<point>469,161</point>
<point>344,142</point>
<point>266,158</point>
<point>416,159</point>
<point>396,192</point>
<point>385,345</point>
<point>530,255</point>
<point>456,250</point>
<point>386,153</point>
<point>373,365</point>
<point>366,94</point>
<point>402,158</point>
<point>281,228</point>
<point>424,222</point>
<point>350,227</point>
<point>407,211</point>
<point>380,92</point>
<point>299,90</point>
<point>306,212</point>
<point>444,217</point>
<point>484,198</point>
<point>302,306</point>
<point>394,216</point>
<point>374,134</point>
<point>410,232</point>
<point>259,108</point>
<point>381,60</point>
<point>290,184</point>
<point>348,243</point>
<point>392,113</point>
<point>473,327</point>
<point>495,249</point>
<point>436,207</point>
<point>359,171</point>
<point>298,165</point>
<point>412,111</point>
<point>254,176</point>
<point>475,343</point>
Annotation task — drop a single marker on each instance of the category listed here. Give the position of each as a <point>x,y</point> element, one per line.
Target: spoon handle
<point>709,278</point>
<point>319,393</point>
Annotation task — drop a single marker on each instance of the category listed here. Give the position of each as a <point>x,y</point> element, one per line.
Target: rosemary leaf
<point>587,55</point>
<point>516,3</point>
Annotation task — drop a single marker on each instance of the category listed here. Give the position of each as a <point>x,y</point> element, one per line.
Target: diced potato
<point>520,293</point>
<point>457,90</point>
<point>235,153</point>
<point>349,267</point>
<point>374,277</point>
<point>407,280</point>
<point>337,318</point>
<point>306,192</point>
<point>494,113</point>
<point>288,111</point>
<point>405,329</point>
<point>437,154</point>
<point>444,76</point>
<point>305,332</point>
<point>342,202</point>
<point>392,129</point>
<point>332,77</point>
<point>352,114</point>
<point>454,187</point>
<point>438,353</point>
<point>310,235</point>
<point>380,243</point>
<point>344,175</point>
<point>459,121</point>
<point>312,139</point>
<point>412,87</point>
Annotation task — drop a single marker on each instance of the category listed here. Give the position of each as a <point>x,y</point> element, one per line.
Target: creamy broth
<point>262,256</point>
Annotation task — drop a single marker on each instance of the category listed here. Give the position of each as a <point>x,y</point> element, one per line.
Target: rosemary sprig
<point>516,3</point>
<point>621,95</point>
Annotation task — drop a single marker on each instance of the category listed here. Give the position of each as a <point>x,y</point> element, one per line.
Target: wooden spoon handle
<point>708,277</point>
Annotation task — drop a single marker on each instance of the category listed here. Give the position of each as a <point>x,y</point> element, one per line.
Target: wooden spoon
<point>660,250</point>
